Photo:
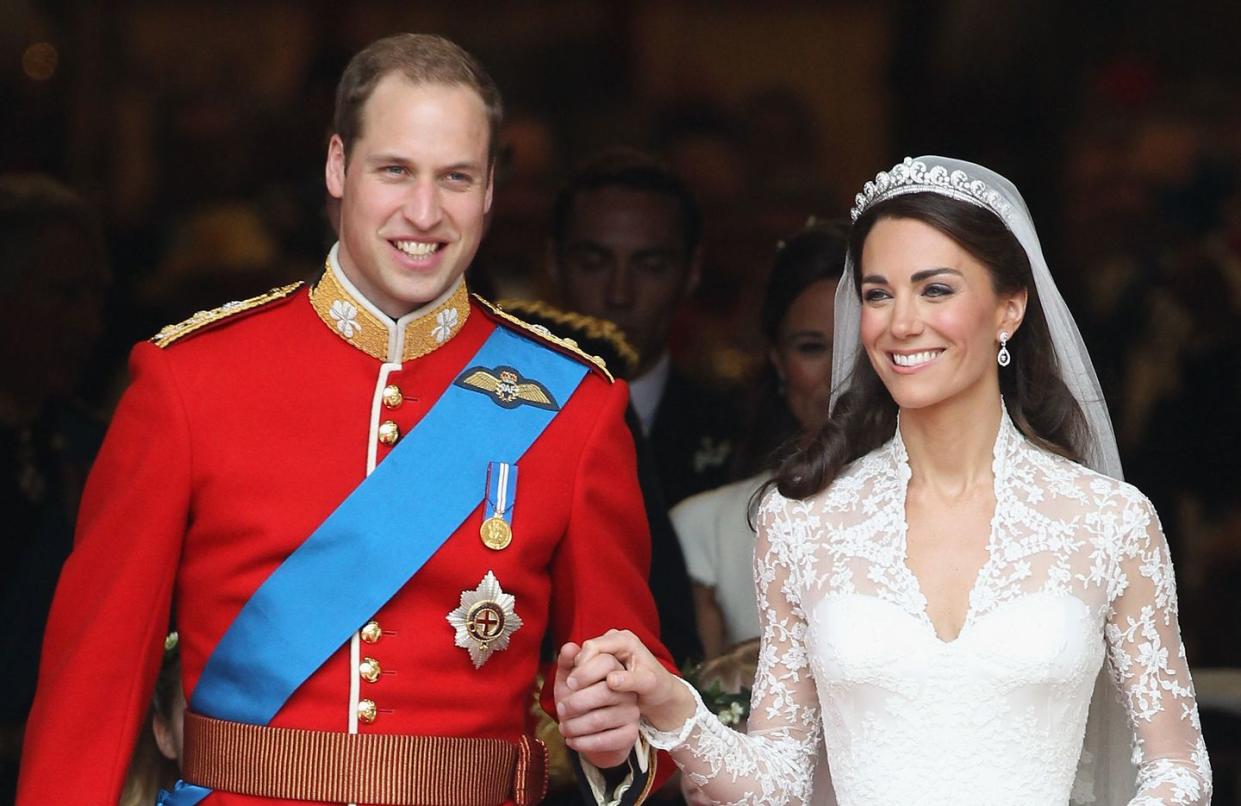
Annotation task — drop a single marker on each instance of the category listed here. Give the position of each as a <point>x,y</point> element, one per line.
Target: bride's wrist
<point>674,709</point>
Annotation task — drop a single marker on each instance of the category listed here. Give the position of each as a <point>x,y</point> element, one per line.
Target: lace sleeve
<point>774,762</point>
<point>1147,661</point>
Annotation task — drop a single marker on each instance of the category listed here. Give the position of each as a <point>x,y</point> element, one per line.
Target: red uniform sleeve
<point>104,637</point>
<point>599,573</point>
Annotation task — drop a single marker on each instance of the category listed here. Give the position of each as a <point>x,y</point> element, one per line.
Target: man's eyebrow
<point>585,243</point>
<point>468,165</point>
<point>659,251</point>
<point>386,159</point>
<point>397,159</point>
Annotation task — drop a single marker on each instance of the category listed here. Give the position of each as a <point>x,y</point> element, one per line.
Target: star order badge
<point>484,620</point>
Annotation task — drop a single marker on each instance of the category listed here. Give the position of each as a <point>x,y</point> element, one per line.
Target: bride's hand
<point>662,699</point>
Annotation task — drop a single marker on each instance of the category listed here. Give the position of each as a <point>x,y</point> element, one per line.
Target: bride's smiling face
<point>931,318</point>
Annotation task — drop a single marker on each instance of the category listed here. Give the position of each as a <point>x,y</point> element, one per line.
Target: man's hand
<point>663,700</point>
<point>595,720</point>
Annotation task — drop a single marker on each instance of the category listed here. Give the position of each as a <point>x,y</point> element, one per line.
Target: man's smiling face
<point>414,191</point>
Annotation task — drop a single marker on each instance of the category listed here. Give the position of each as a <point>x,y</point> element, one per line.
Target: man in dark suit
<point>626,247</point>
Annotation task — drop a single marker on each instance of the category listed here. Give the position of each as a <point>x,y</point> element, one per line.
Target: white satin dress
<point>1078,575</point>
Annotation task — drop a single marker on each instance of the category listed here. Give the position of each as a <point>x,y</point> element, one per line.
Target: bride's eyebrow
<point>914,278</point>
<point>926,274</point>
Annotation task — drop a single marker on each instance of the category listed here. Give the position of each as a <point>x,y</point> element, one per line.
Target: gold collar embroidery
<point>379,337</point>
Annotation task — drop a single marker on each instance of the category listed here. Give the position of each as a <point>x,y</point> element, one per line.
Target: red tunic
<point>229,448</point>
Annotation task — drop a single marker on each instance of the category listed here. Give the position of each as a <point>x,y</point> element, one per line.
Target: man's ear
<point>551,262</point>
<point>491,186</point>
<point>334,168</point>
<point>694,275</point>
<point>1013,311</point>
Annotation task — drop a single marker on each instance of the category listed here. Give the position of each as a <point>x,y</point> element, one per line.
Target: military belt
<point>368,768</point>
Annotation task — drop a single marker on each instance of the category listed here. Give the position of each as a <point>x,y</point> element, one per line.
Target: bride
<point>946,567</point>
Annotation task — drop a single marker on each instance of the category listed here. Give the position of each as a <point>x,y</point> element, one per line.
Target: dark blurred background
<point>196,133</point>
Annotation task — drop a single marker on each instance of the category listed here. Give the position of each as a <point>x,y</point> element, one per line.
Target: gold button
<point>389,433</point>
<point>367,711</point>
<point>392,396</point>
<point>371,632</point>
<point>369,670</point>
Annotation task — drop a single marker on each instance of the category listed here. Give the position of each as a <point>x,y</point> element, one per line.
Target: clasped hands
<point>603,688</point>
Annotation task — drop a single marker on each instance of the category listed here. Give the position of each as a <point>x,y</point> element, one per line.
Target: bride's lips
<point>906,362</point>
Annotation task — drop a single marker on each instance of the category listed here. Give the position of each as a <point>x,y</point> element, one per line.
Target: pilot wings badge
<point>507,388</point>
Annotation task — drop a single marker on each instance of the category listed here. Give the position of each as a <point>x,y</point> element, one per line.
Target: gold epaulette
<point>171,333</point>
<point>543,334</point>
<point>581,326</point>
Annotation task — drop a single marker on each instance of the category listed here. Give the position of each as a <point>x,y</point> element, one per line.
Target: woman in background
<point>713,527</point>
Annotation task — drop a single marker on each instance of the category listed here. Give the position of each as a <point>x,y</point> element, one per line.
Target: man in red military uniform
<point>366,501</point>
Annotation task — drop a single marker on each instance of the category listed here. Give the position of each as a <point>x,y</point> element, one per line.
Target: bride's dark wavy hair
<point>864,417</point>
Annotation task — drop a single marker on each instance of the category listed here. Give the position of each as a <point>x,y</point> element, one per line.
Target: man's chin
<point>423,291</point>
<point>634,338</point>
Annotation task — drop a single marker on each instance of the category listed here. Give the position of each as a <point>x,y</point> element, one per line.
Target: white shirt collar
<point>647,390</point>
<point>396,330</point>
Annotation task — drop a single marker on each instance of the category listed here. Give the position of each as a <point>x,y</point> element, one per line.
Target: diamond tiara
<point>913,176</point>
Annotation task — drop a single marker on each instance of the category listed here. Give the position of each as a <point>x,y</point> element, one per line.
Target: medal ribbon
<point>501,491</point>
<point>384,531</point>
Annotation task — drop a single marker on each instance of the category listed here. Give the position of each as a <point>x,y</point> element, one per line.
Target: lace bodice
<point>1078,574</point>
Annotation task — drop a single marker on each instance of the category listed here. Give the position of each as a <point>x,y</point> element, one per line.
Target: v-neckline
<point>904,473</point>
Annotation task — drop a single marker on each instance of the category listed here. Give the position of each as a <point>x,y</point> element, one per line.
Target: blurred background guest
<point>792,398</point>
<point>53,280</point>
<point>156,763</point>
<point>626,247</point>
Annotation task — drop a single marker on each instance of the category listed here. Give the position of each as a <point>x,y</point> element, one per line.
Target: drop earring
<point>1003,358</point>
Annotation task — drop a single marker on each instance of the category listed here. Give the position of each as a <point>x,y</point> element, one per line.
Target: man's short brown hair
<point>421,58</point>
<point>628,169</point>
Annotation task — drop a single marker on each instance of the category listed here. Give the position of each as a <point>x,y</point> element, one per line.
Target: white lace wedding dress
<point>1078,574</point>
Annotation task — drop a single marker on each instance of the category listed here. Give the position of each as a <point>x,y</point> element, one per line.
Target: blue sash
<point>383,532</point>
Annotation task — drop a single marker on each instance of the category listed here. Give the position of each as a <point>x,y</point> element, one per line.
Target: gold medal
<point>496,533</point>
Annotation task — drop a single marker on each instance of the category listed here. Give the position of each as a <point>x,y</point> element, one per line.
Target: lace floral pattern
<point>1078,578</point>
